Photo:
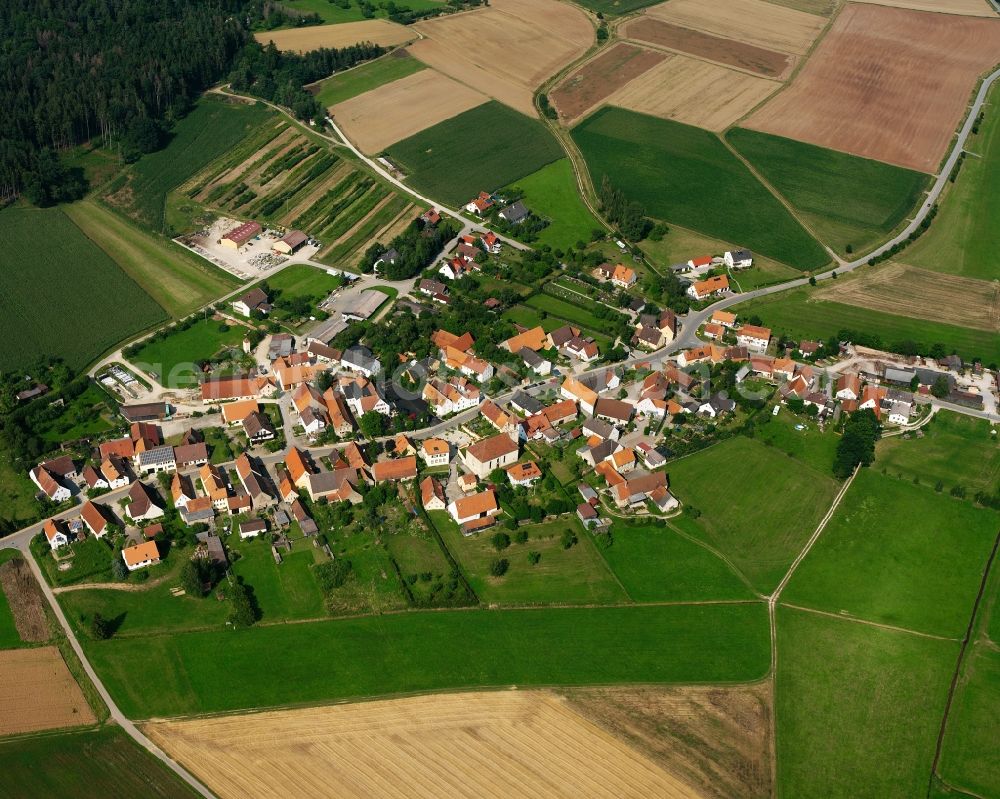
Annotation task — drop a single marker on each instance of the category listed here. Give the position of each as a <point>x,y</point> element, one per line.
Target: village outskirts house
<point>474,512</point>
<point>253,300</point>
<point>141,555</point>
<point>738,259</point>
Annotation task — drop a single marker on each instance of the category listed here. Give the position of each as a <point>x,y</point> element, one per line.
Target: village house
<point>362,397</point>
<point>235,412</point>
<point>360,359</point>
<point>636,490</point>
<point>480,205</point>
<point>451,396</point>
<point>724,318</point>
<point>182,490</point>
<point>56,533</point>
<point>338,412</point>
<point>713,286</point>
<point>848,386</point>
<point>255,481</point>
<point>491,242</point>
<point>491,453</point>
<point>524,474</point>
<point>560,412</point>
<point>432,495</point>
<point>533,338</point>
<point>618,412</point>
<point>583,349</point>
<point>525,404</point>
<point>587,515</point>
<point>156,460</point>
<point>430,217</point>
<point>753,337</point>
<point>95,517</point>
<point>475,512</point>
<point>187,456</point>
<point>535,362</point>
<point>738,259</point>
<point>224,389</point>
<point>258,428</point>
<point>498,417</point>
<point>515,213</point>
<point>141,555</point>
<point>198,511</point>
<point>253,300</point>
<point>143,506</point>
<point>53,478</point>
<point>623,276</point>
<point>435,452</point>
<point>575,390</point>
<point>395,470</point>
<point>215,486</point>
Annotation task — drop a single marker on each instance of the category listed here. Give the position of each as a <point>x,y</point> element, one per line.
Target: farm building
<point>368,302</point>
<point>291,242</point>
<point>240,235</point>
<point>141,555</point>
<point>146,412</point>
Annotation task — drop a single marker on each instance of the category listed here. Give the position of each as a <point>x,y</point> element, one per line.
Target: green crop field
<point>954,450</point>
<point>174,359</point>
<point>345,85</point>
<point>857,708</point>
<point>796,314</point>
<point>970,760</point>
<point>88,764</point>
<point>810,445</point>
<point>65,298</point>
<point>616,6</point>
<point>965,237</point>
<point>845,199</point>
<point>332,14</point>
<point>177,279</point>
<point>758,505</point>
<point>658,564</point>
<point>213,127</point>
<point>552,194</point>
<point>86,415</point>
<point>9,637</point>
<point>899,554</point>
<point>424,651</point>
<point>686,175</point>
<point>456,159</point>
<point>562,575</point>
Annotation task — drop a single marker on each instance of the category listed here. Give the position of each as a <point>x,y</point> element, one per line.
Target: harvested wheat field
<point>395,111</point>
<point>343,34</point>
<point>741,55</point>
<point>886,83</point>
<point>475,745</point>
<point>694,92</point>
<point>716,739</point>
<point>921,294</point>
<point>758,22</point>
<point>508,49</point>
<point>27,605</point>
<point>598,79</point>
<point>37,692</point>
<point>972,8</point>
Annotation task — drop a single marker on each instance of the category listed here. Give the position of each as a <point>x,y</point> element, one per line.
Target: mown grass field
<point>425,651</point>
<point>333,14</point>
<point>955,450</point>
<point>564,309</point>
<point>365,77</point>
<point>552,194</point>
<point>758,505</point>
<point>685,175</point>
<point>573,575</point>
<point>970,760</point>
<point>177,279</point>
<point>173,360</point>
<point>89,764</point>
<point>964,238</point>
<point>86,415</point>
<point>66,298</point>
<point>810,445</point>
<point>658,564</point>
<point>845,199</point>
<point>475,151</point>
<point>213,127</point>
<point>900,554</point>
<point>796,314</point>
<point>858,708</point>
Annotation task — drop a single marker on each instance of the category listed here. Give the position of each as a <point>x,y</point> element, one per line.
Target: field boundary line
<point>869,622</point>
<point>960,661</point>
<point>709,548</point>
<point>116,714</point>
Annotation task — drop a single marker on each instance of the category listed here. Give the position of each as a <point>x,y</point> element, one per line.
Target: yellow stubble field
<point>37,692</point>
<point>344,34</point>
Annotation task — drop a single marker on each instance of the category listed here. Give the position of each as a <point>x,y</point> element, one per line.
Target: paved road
<point>116,714</point>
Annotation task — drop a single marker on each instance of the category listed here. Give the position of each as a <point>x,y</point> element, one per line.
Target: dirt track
<point>37,692</point>
<point>457,745</point>
<point>887,84</point>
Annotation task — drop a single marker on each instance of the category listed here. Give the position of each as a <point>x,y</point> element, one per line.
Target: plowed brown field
<point>456,745</point>
<point>712,48</point>
<point>921,294</point>
<point>508,49</point>
<point>597,80</point>
<point>886,83</point>
<point>758,22</point>
<point>395,111</point>
<point>973,8</point>
<point>27,604</point>
<point>37,692</point>
<point>694,92</point>
<point>343,34</point>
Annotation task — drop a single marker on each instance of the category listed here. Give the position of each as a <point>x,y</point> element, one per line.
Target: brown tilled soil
<point>37,692</point>
<point>716,739</point>
<point>921,294</point>
<point>730,52</point>
<point>886,83</point>
<point>599,79</point>
<point>26,601</point>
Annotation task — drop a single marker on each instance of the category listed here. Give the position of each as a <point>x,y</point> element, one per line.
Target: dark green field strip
<point>797,315</point>
<point>324,661</point>
<point>686,175</point>
<point>367,231</point>
<point>868,199</point>
<point>483,149</point>
<point>251,145</point>
<point>322,205</point>
<point>355,213</point>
